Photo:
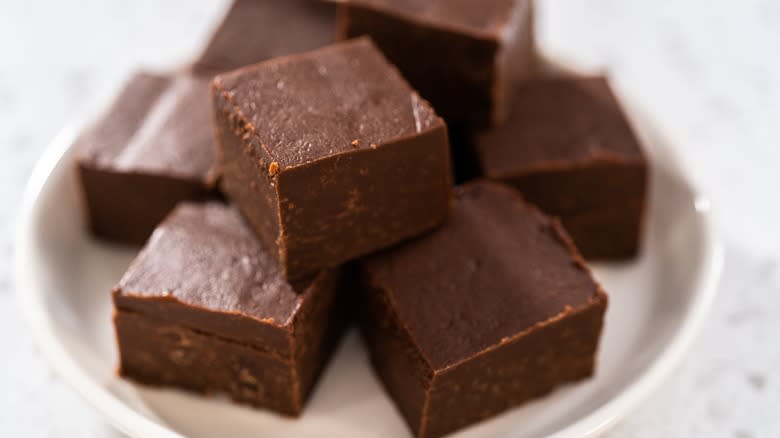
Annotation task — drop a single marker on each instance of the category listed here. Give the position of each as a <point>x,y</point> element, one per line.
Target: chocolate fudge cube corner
<point>570,149</point>
<point>204,307</point>
<point>465,56</point>
<point>491,310</point>
<point>330,155</point>
<point>152,149</point>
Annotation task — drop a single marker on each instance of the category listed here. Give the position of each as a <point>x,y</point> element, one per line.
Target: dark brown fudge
<point>205,307</point>
<point>465,165</point>
<point>491,310</point>
<point>569,149</point>
<point>464,56</point>
<point>152,149</point>
<point>330,155</point>
<point>256,30</point>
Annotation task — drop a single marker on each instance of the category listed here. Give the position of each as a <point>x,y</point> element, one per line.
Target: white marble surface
<point>708,72</point>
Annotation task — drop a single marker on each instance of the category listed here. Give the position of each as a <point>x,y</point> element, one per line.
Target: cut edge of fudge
<point>305,364</point>
<point>607,227</point>
<point>130,218</point>
<point>614,243</point>
<point>575,360</point>
<point>169,350</point>
<point>180,349</point>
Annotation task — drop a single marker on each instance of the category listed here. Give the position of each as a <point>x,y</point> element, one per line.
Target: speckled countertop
<point>707,72</point>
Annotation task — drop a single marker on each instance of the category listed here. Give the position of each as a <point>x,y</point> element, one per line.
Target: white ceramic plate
<point>657,303</point>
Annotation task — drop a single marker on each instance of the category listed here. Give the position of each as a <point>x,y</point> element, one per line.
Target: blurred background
<point>708,74</point>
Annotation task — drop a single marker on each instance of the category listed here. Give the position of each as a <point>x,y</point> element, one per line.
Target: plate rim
<point>129,421</point>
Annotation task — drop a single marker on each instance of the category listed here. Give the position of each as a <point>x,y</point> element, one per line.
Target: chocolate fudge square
<point>464,56</point>
<point>491,310</point>
<point>569,148</point>
<point>256,30</point>
<point>330,155</point>
<point>153,148</point>
<point>204,307</point>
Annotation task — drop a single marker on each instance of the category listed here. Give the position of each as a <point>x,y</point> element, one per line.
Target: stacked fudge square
<point>154,147</point>
<point>287,184</point>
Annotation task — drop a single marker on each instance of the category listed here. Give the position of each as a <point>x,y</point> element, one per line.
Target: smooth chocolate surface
<point>569,120</point>
<point>202,265</point>
<point>176,136</point>
<point>490,310</point>
<point>151,150</point>
<point>107,138</point>
<point>204,277</point>
<point>257,30</point>
<point>330,154</point>
<point>314,106</point>
<point>463,56</point>
<point>570,149</point>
